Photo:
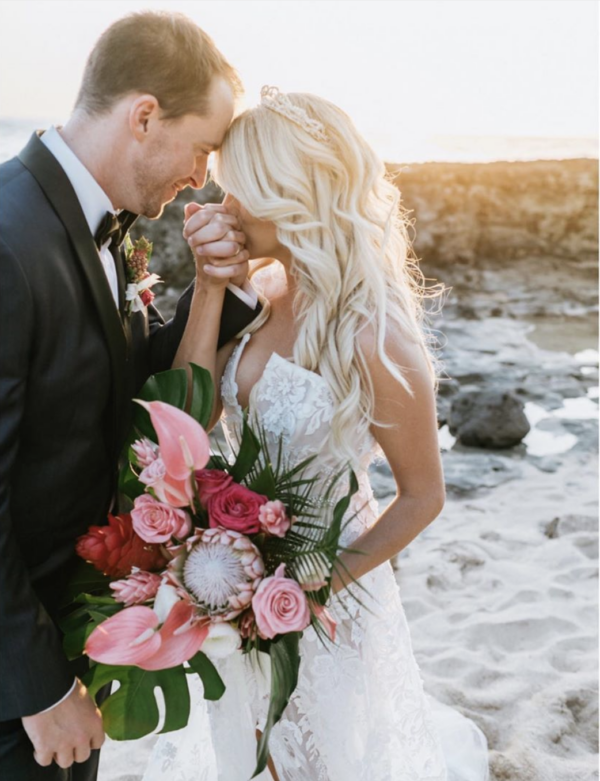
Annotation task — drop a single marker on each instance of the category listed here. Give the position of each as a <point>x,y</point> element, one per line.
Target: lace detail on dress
<point>291,403</point>
<point>359,712</point>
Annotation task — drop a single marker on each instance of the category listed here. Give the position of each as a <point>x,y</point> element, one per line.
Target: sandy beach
<point>501,589</point>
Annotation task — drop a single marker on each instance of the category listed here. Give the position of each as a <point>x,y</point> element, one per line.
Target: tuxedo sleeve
<point>165,338</point>
<point>36,673</point>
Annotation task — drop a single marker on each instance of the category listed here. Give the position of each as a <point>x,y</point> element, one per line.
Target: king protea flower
<point>220,569</point>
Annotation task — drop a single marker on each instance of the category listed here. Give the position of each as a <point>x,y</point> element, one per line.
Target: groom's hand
<point>68,732</point>
<point>214,236</point>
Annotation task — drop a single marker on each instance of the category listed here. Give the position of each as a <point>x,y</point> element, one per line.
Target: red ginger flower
<point>116,548</point>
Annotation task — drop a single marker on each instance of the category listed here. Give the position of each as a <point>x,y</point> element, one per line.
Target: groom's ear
<point>144,114</point>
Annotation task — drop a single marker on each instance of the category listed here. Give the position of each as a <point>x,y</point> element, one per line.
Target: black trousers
<point>17,762</point>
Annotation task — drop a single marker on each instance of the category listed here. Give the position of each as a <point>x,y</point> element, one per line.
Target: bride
<point>338,364</point>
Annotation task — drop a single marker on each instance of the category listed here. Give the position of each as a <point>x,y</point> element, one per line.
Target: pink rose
<point>210,482</point>
<point>236,508</point>
<point>280,606</point>
<point>157,522</point>
<point>273,519</point>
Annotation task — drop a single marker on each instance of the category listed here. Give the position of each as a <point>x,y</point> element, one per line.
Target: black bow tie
<point>114,227</point>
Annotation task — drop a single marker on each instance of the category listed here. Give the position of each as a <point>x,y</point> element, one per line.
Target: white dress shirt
<point>95,203</point>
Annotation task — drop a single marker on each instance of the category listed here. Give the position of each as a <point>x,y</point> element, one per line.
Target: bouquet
<point>213,558</point>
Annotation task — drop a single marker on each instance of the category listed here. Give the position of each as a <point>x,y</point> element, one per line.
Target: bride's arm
<point>412,449</point>
<point>200,338</point>
<point>199,342</point>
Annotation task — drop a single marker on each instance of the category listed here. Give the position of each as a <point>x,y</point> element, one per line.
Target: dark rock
<point>488,418</point>
<point>448,387</point>
<point>443,410</point>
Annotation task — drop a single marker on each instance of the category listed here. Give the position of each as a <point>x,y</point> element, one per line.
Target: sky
<point>413,68</point>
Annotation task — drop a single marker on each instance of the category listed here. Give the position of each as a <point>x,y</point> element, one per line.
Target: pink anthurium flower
<point>128,637</point>
<point>133,635</point>
<point>177,493</point>
<point>181,635</point>
<point>184,444</point>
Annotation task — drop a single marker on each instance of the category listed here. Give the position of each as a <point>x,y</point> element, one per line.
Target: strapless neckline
<point>235,359</point>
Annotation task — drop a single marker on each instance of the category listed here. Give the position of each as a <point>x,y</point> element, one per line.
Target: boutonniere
<point>139,280</point>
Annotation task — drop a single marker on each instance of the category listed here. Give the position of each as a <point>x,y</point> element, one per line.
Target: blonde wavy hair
<point>337,212</point>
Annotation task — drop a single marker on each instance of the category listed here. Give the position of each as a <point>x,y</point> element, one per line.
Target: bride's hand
<point>213,235</point>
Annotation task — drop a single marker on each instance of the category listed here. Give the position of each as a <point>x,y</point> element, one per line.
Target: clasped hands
<point>214,235</point>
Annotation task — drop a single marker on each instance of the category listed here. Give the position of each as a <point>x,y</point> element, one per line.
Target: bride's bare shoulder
<point>269,279</point>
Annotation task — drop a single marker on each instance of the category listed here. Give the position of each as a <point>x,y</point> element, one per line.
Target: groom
<point>155,100</point>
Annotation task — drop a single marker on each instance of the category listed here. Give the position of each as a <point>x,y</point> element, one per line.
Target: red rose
<point>236,508</point>
<point>210,482</point>
<point>147,297</point>
<point>116,548</point>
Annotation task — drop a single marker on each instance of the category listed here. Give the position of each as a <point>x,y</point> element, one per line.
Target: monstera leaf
<point>203,393</point>
<point>132,710</point>
<point>170,387</point>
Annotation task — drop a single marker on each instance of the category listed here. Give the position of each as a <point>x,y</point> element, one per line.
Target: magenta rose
<point>210,482</point>
<point>280,606</point>
<point>156,522</point>
<point>236,508</point>
<point>273,519</point>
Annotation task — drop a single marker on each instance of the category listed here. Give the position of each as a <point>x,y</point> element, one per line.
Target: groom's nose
<point>198,178</point>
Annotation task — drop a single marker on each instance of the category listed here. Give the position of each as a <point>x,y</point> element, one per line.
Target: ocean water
<point>14,134</point>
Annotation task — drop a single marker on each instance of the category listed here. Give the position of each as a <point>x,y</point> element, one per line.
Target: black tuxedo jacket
<point>68,371</point>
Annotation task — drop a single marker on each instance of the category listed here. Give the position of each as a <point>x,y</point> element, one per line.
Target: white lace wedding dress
<point>359,712</point>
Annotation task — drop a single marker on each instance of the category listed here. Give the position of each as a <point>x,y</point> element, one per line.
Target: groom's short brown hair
<point>158,53</point>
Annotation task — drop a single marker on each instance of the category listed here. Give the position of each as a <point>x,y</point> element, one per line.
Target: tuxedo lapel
<point>119,260</point>
<point>58,190</point>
